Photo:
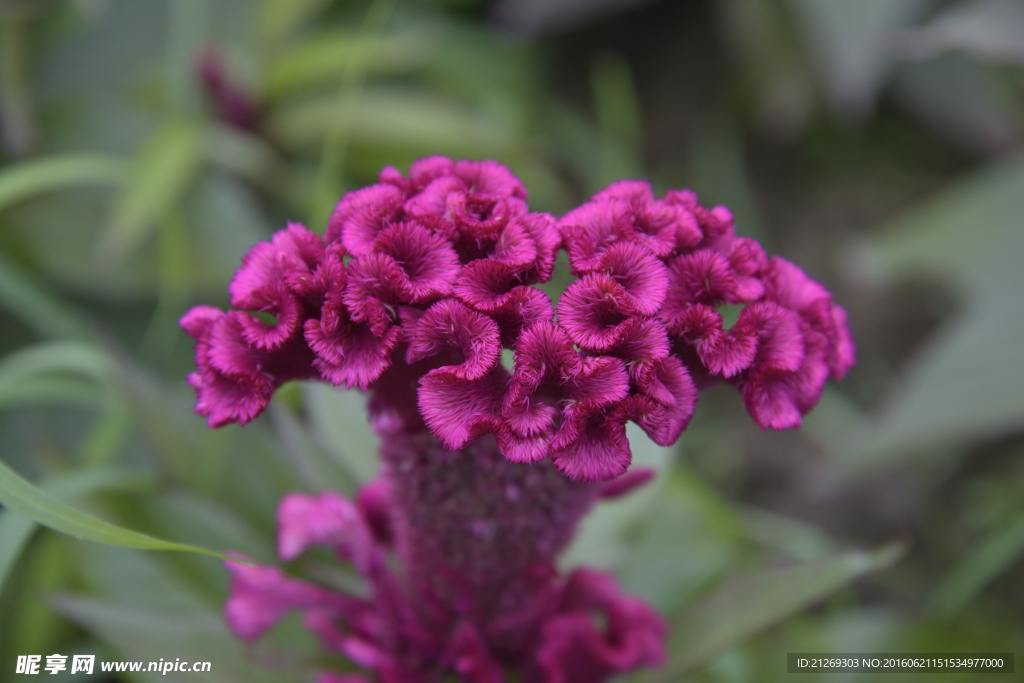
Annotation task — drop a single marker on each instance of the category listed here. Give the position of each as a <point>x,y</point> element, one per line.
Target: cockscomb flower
<point>418,286</point>
<point>474,590</point>
<point>653,276</point>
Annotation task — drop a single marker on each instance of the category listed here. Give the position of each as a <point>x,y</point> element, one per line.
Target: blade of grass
<point>747,605</point>
<point>32,178</point>
<point>172,296</point>
<point>991,558</point>
<point>44,314</point>
<point>339,130</point>
<point>16,530</point>
<point>62,358</point>
<point>161,172</point>
<point>21,496</point>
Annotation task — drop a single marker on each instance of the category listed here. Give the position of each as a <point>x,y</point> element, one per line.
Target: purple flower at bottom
<point>457,549</point>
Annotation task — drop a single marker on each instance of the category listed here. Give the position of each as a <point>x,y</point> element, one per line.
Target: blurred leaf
<point>617,110</point>
<point>44,314</point>
<point>979,566</point>
<point>668,572</point>
<point>602,536</point>
<point>721,175</point>
<point>24,498</point>
<point>162,334</point>
<point>150,635</point>
<point>543,16</point>
<point>849,44</point>
<point>144,611</point>
<point>414,122</point>
<point>338,419</point>
<point>225,220</point>
<point>185,31</point>
<point>52,357</point>
<point>206,520</point>
<point>16,530</point>
<point>747,605</point>
<point>161,172</point>
<point>969,234</point>
<point>322,59</point>
<point>339,129</point>
<point>796,539</point>
<point>759,35</point>
<point>254,160</point>
<point>991,29</point>
<point>50,567</point>
<point>965,383</point>
<point>276,19</point>
<point>317,471</point>
<point>28,179</point>
<point>968,104</point>
<point>19,132</point>
<point>107,435</point>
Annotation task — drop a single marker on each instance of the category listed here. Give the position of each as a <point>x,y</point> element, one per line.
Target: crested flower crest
<point>427,278</point>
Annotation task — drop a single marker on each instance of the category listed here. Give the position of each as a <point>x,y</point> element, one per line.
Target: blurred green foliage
<point>876,143</point>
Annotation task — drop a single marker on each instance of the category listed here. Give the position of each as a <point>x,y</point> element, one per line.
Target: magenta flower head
<point>418,285</point>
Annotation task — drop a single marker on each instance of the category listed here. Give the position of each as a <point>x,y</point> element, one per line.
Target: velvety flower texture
<point>474,591</point>
<point>416,288</point>
<point>425,279</point>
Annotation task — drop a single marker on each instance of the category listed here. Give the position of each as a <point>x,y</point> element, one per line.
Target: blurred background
<point>144,146</point>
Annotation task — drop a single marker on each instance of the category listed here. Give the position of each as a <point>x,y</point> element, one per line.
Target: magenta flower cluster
<point>486,599</point>
<point>415,290</point>
<point>428,277</point>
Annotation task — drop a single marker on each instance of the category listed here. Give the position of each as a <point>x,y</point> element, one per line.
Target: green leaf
<point>848,42</point>
<point>26,499</point>
<point>747,605</point>
<point>44,314</point>
<point>395,119</point>
<point>992,557</point>
<point>276,19</point>
<point>967,103</point>
<point>339,424</point>
<point>151,635</point>
<point>969,234</point>
<point>312,465</point>
<point>32,178</point>
<point>602,537</point>
<point>161,172</point>
<point>990,29</point>
<point>322,59</point>
<point>144,610</point>
<point>964,384</point>
<point>16,530</point>
<point>51,357</point>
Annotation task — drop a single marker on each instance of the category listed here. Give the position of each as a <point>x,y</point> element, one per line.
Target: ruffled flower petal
<point>234,381</point>
<point>428,261</point>
<point>292,251</point>
<point>274,299</point>
<point>327,519</point>
<point>262,596</point>
<point>362,215</point>
<point>590,229</point>
<point>459,410</point>
<point>348,353</point>
<point>489,178</point>
<point>574,650</point>
<point>471,658</point>
<point>667,384</point>
<point>598,449</point>
<point>450,323</point>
